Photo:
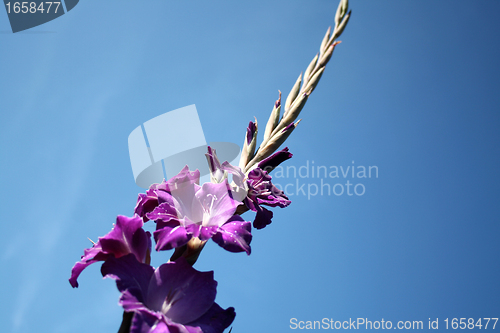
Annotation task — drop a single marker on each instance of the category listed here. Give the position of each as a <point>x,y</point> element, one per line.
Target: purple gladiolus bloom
<point>127,236</point>
<point>261,191</point>
<point>186,210</point>
<point>173,298</point>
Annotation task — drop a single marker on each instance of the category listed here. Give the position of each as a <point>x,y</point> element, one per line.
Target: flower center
<point>172,297</point>
<point>207,206</point>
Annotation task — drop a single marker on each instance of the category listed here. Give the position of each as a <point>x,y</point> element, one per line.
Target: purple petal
<point>262,191</point>
<point>235,235</point>
<point>142,322</point>
<point>180,292</point>
<point>262,218</point>
<point>215,320</point>
<point>238,175</point>
<point>216,173</point>
<point>178,328</point>
<point>251,204</point>
<point>145,322</point>
<point>183,178</point>
<point>127,236</point>
<point>251,129</point>
<point>168,237</point>
<point>159,193</point>
<point>239,191</point>
<point>165,197</point>
<point>87,259</point>
<point>275,200</point>
<point>213,161</point>
<point>132,278</point>
<point>268,164</point>
<point>145,204</point>
<point>130,301</point>
<point>163,212</point>
<point>216,203</point>
<point>184,202</point>
<point>207,232</point>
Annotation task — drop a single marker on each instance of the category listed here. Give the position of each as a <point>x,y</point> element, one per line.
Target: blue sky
<point>412,89</point>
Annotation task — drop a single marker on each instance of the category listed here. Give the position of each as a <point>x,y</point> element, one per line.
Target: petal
<point>238,175</point>
<point>183,178</point>
<point>207,232</point>
<point>185,203</point>
<point>132,278</point>
<point>262,218</point>
<point>215,320</point>
<point>142,322</point>
<point>212,159</point>
<point>165,327</point>
<point>235,235</point>
<point>239,186</point>
<point>216,203</point>
<point>164,212</point>
<point>87,259</point>
<point>258,175</point>
<point>217,175</point>
<point>127,236</point>
<point>165,197</point>
<point>251,204</point>
<point>130,302</point>
<point>271,162</point>
<point>280,200</point>
<point>145,204</point>
<point>262,190</point>
<point>181,292</point>
<point>251,131</point>
<point>168,237</point>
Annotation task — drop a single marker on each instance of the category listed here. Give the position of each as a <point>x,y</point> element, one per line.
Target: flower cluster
<point>175,297</point>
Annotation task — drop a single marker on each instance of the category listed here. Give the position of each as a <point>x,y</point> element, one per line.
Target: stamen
<point>170,300</point>
<point>207,209</point>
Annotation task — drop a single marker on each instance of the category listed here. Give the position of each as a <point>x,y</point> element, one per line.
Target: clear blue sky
<point>412,89</point>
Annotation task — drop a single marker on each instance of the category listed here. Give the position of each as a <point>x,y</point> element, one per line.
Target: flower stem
<point>191,251</point>
<point>126,322</point>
